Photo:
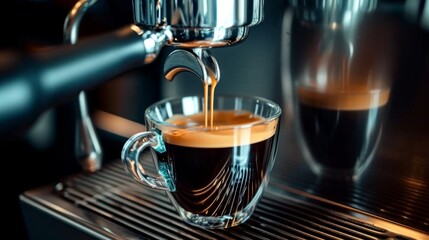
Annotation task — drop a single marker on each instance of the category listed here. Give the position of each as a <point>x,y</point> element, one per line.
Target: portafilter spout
<point>199,62</point>
<point>198,25</point>
<point>201,23</point>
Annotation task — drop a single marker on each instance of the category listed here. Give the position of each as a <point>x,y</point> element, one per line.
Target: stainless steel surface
<point>87,146</point>
<point>198,13</point>
<point>329,12</point>
<point>200,62</point>
<point>201,23</point>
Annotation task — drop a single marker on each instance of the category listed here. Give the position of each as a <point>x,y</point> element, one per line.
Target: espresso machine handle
<point>33,83</point>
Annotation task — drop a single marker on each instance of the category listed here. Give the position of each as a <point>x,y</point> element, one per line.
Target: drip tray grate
<point>108,204</point>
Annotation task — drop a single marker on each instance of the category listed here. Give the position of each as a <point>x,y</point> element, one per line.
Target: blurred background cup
<point>214,175</point>
<point>340,57</point>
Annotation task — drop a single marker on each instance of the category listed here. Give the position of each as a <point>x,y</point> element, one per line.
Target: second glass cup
<point>214,174</point>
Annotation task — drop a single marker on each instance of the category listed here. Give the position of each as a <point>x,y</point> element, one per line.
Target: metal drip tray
<point>109,204</point>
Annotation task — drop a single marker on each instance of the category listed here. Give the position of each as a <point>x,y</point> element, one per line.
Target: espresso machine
<point>93,86</point>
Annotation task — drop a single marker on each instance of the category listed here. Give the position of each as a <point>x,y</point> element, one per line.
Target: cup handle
<point>130,156</point>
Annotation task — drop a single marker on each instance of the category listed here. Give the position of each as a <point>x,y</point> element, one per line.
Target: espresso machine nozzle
<point>44,79</point>
<point>196,26</point>
<point>200,23</point>
<point>199,62</point>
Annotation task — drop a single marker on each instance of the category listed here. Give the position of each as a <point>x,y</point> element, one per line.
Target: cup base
<point>224,221</point>
<point>337,174</point>
<point>340,174</point>
<point>221,222</point>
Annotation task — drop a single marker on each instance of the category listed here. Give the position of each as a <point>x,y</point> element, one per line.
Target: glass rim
<point>276,115</point>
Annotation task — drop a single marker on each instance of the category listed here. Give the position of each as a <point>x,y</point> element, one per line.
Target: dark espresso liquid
<point>218,172</point>
<point>341,129</point>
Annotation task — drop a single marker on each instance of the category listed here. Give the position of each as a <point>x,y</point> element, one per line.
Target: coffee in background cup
<point>340,129</point>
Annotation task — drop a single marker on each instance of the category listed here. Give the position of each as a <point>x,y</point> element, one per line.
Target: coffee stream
<point>212,88</point>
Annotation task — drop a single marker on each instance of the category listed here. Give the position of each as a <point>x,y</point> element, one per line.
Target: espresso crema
<point>357,99</point>
<point>230,128</point>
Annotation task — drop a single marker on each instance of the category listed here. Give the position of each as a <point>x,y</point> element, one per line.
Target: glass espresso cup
<point>214,174</point>
<point>339,63</point>
<point>340,130</point>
